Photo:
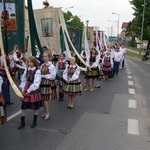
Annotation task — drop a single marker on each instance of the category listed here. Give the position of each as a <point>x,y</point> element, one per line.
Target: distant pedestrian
<point>107,64</point>
<point>123,52</point>
<point>117,59</point>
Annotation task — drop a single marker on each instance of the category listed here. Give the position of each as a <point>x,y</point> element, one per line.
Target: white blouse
<point>117,56</point>
<point>60,61</point>
<point>52,71</point>
<point>15,56</point>
<point>75,76</point>
<point>111,60</point>
<point>95,64</point>
<point>36,82</point>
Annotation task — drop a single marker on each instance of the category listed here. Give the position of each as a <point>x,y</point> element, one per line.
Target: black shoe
<point>71,107</point>
<point>22,123</point>
<point>68,106</point>
<point>98,86</point>
<point>34,122</point>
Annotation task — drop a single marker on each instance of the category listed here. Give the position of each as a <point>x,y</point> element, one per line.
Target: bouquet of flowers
<point>46,4</point>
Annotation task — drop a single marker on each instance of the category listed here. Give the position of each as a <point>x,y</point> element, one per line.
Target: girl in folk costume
<point>48,86</point>
<point>30,83</point>
<point>60,66</point>
<point>93,72</point>
<point>3,118</point>
<point>107,64</point>
<point>72,86</point>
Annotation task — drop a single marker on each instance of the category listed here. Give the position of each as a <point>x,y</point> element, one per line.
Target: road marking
<point>129,77</point>
<point>133,127</point>
<point>131,91</point>
<point>130,83</point>
<point>128,72</point>
<point>128,69</point>
<point>14,115</point>
<point>132,103</point>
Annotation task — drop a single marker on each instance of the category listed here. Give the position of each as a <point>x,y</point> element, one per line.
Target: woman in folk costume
<point>19,59</point>
<point>48,86</point>
<point>72,86</point>
<point>30,84</point>
<point>3,118</point>
<point>92,65</point>
<point>107,64</point>
<point>60,67</point>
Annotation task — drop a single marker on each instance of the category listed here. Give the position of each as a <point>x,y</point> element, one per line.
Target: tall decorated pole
<point>5,52</point>
<point>5,42</point>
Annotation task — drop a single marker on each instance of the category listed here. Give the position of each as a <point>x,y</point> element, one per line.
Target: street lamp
<point>118,22</point>
<point>87,23</point>
<point>108,30</point>
<point>68,8</point>
<point>111,27</point>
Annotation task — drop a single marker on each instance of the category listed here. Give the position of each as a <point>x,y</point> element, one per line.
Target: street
<point>114,117</point>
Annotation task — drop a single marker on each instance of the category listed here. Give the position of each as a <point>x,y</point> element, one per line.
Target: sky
<point>98,12</point>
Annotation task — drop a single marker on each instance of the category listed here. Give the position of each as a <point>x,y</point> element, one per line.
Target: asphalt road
<point>114,117</point>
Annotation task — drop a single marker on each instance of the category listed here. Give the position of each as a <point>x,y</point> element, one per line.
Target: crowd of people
<point>49,76</point>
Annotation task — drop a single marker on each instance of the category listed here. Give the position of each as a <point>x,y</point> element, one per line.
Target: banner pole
<point>6,47</point>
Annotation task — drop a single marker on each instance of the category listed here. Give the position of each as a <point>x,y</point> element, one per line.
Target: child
<point>30,83</point>
<point>93,72</point>
<point>3,118</point>
<point>60,67</point>
<point>48,86</point>
<point>72,86</point>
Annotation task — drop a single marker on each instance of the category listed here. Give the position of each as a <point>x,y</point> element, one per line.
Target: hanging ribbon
<point>15,88</point>
<point>86,45</point>
<point>66,37</point>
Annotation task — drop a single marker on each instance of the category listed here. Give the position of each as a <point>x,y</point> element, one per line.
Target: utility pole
<point>143,15</point>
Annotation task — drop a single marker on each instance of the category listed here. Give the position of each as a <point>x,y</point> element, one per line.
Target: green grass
<point>134,49</point>
<point>132,54</point>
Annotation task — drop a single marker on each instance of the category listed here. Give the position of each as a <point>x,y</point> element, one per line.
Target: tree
<point>76,21</point>
<point>137,21</point>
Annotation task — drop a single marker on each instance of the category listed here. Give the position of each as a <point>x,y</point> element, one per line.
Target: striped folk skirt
<point>33,100</point>
<point>94,73</point>
<point>3,118</point>
<point>48,89</point>
<point>73,88</point>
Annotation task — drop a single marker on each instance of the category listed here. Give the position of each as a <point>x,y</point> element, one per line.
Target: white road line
<point>130,83</point>
<point>131,91</point>
<point>129,77</point>
<point>128,72</point>
<point>128,69</point>
<point>133,127</point>
<point>132,103</point>
<point>14,115</point>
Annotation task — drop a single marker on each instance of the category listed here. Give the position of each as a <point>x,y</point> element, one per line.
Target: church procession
<point>45,70</point>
